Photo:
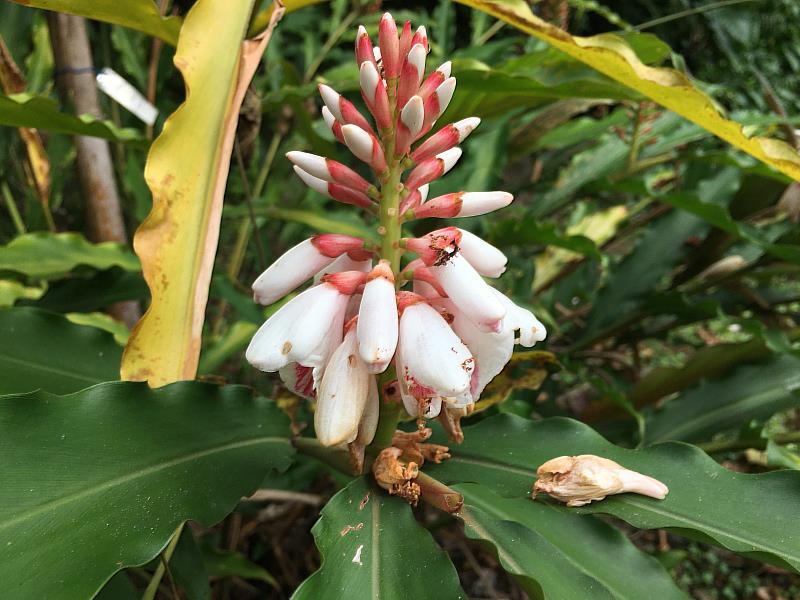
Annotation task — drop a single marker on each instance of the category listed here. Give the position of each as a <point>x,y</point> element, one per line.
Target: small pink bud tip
<point>390,46</point>
<point>365,147</point>
<point>434,80</point>
<point>437,102</point>
<point>406,299</point>
<point>334,190</point>
<point>411,74</point>
<point>445,138</point>
<point>420,37</point>
<point>364,51</point>
<point>382,269</point>
<point>346,282</point>
<point>442,207</point>
<point>433,168</point>
<point>437,247</point>
<point>332,124</point>
<point>405,39</point>
<point>412,201</point>
<point>374,93</point>
<point>334,245</point>
<point>463,204</point>
<point>422,273</point>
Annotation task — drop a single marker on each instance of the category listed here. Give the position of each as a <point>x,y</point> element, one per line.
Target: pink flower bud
<point>336,191</point>
<point>434,80</point>
<point>365,147</point>
<point>390,46</point>
<point>374,93</point>
<point>342,109</point>
<point>405,39</point>
<point>422,273</point>
<point>411,74</point>
<point>436,247</point>
<point>363,47</point>
<point>335,244</point>
<point>463,204</point>
<point>437,102</point>
<point>420,37</point>
<point>409,124</point>
<point>332,124</point>
<point>329,170</point>
<point>433,168</point>
<point>346,282</point>
<point>444,139</point>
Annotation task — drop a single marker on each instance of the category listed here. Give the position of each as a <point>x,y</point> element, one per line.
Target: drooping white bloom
<point>295,266</point>
<point>530,328</point>
<point>343,395</point>
<point>369,419</point>
<point>377,327</point>
<point>487,260</point>
<point>435,361</point>
<point>424,404</point>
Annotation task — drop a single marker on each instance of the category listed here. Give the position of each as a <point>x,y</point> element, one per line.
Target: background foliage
<point>663,261</point>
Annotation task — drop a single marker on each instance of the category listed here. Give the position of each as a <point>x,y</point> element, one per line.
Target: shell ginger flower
<point>579,480</point>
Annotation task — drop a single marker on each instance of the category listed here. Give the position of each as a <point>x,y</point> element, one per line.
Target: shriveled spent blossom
<point>579,480</point>
<point>416,311</point>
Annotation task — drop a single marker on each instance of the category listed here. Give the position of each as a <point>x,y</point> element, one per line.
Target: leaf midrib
<point>49,369</point>
<point>139,473</point>
<point>630,500</point>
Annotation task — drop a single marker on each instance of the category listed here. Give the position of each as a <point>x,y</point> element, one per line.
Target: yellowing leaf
<point>141,15</point>
<point>613,57</point>
<point>186,170</point>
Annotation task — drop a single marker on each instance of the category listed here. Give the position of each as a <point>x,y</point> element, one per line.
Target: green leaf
<point>705,500</point>
<point>92,291</point>
<point>46,255</point>
<point>11,291</point>
<point>569,555</point>
<point>226,563</point>
<point>102,321</point>
<point>188,568</point>
<point>750,392</point>
<point>141,15</point>
<point>372,547</point>
<point>26,110</point>
<point>128,464</point>
<point>782,456</point>
<point>42,350</point>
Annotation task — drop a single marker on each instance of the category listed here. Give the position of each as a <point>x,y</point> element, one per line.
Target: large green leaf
<point>568,555</point>
<point>100,479</point>
<point>43,255</point>
<point>43,350</point>
<point>26,110</point>
<point>705,499</point>
<point>373,548</point>
<point>750,392</point>
<point>141,15</point>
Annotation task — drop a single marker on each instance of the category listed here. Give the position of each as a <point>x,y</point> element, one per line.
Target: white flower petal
<point>310,163</point>
<point>470,293</point>
<point>377,325</point>
<point>487,260</point>
<point>435,361</point>
<point>342,395</point>
<point>292,268</point>
<point>369,419</point>
<point>531,330</point>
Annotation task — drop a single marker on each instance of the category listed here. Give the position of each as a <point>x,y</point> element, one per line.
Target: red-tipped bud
<point>329,170</point>
<point>364,51</point>
<point>346,282</point>
<point>437,102</point>
<point>332,124</point>
<point>434,80</point>
<point>374,93</point>
<point>382,269</point>
<point>420,37</point>
<point>405,39</point>
<point>433,168</point>
<point>406,299</point>
<point>365,147</point>
<point>334,245</point>
<point>409,124</point>
<point>342,109</point>
<point>436,247</point>
<point>420,272</point>
<point>444,139</point>
<point>443,207</point>
<point>390,46</point>
<point>463,204</point>
<point>411,74</point>
<point>334,190</point>
<point>410,202</point>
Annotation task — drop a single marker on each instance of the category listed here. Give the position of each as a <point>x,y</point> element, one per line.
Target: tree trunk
<point>76,85</point>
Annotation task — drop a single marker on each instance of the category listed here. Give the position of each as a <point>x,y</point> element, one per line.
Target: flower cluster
<point>447,336</point>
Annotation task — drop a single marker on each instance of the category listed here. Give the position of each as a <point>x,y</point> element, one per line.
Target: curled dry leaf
<point>579,480</point>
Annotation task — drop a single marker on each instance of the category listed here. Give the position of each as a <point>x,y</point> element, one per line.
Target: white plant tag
<point>115,86</point>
